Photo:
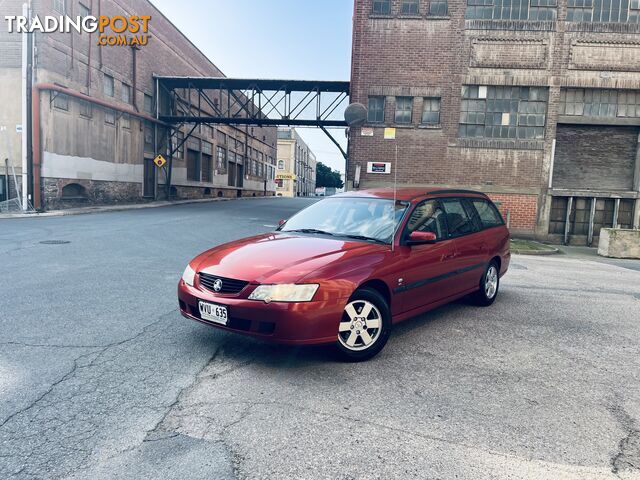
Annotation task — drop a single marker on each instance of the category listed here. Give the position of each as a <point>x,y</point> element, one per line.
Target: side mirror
<point>417,238</point>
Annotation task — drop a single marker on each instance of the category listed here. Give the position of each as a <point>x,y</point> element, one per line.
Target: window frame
<point>406,232</point>
<point>410,4</point>
<point>126,88</point>
<point>492,206</point>
<point>57,3</point>
<point>395,116</point>
<point>369,110</point>
<point>425,102</point>
<point>381,7</point>
<point>109,80</point>
<point>60,101</point>
<point>469,213</point>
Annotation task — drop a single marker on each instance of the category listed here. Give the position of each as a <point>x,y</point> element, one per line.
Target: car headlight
<point>189,275</point>
<point>284,293</point>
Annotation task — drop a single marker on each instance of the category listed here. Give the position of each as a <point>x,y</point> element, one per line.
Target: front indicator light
<point>284,293</point>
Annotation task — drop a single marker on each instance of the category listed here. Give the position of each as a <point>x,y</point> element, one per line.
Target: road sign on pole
<point>160,161</point>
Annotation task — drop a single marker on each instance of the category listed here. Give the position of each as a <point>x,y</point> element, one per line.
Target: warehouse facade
<point>535,102</point>
<point>94,132</point>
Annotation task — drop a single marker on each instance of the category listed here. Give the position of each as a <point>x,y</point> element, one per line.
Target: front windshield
<point>361,217</point>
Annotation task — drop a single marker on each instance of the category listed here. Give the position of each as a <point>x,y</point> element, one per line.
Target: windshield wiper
<point>310,230</point>
<point>363,237</point>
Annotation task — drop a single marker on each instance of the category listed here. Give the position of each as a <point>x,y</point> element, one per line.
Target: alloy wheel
<point>491,282</point>
<point>361,325</point>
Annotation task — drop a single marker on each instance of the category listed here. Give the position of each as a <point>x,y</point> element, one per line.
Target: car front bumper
<point>302,323</point>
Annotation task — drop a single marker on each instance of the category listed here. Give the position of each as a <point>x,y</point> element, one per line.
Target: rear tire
<point>489,285</point>
<point>365,326</point>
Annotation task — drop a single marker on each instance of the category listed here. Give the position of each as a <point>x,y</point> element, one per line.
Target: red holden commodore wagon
<point>344,270</point>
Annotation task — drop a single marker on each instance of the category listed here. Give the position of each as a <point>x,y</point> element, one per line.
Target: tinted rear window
<point>458,220</point>
<point>488,213</point>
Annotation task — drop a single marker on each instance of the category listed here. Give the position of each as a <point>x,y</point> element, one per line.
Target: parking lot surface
<point>100,376</point>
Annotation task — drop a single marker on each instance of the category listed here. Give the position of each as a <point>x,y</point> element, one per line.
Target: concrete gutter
<point>119,208</point>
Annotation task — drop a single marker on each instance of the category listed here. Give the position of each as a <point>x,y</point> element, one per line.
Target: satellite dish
<point>355,114</point>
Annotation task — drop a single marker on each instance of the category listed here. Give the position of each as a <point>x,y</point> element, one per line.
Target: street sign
<point>379,167</point>
<point>285,176</point>
<point>366,132</point>
<point>389,133</point>
<point>160,161</point>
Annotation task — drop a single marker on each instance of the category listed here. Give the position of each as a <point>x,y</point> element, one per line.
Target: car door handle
<point>449,256</point>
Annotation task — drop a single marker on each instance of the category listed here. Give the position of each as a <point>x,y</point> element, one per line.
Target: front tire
<point>489,285</point>
<point>365,326</point>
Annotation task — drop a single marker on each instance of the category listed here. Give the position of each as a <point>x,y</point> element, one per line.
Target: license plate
<point>213,313</point>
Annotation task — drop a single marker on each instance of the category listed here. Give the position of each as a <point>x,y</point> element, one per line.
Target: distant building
<point>96,135</point>
<point>536,103</point>
<point>296,166</point>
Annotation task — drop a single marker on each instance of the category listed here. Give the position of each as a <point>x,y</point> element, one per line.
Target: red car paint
<point>413,278</point>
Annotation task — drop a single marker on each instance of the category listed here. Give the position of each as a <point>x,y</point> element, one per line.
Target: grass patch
<point>526,246</point>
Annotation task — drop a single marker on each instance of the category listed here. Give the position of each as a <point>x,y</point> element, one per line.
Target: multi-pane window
<point>125,121</point>
<point>148,138</point>
<point>503,112</point>
<point>431,111</point>
<point>61,101</point>
<point>617,11</point>
<point>410,7</point>
<point>404,109</point>
<point>109,86</point>
<point>221,160</point>
<point>148,103</point>
<point>511,9</point>
<point>376,110</point>
<point>178,144</point>
<point>382,7</point>
<point>593,102</point>
<point>86,109</point>
<point>126,93</point>
<point>110,118</point>
<point>222,137</point>
<point>438,8</point>
<point>59,6</point>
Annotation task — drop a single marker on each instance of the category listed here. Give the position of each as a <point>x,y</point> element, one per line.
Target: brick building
<point>94,130</point>
<point>535,102</point>
<point>296,174</point>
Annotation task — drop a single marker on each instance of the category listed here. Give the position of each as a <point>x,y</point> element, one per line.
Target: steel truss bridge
<point>193,101</point>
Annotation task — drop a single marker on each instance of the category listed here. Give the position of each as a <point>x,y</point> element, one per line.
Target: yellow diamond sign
<point>160,161</point>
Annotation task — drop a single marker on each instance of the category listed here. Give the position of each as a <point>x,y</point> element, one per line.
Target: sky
<point>283,39</point>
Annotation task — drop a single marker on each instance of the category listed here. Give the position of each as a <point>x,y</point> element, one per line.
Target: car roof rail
<point>455,191</point>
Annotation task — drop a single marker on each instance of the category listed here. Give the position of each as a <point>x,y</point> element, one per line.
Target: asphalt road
<point>100,377</point>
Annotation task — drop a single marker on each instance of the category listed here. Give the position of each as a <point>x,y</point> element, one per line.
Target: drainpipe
<point>35,122</point>
<point>25,111</point>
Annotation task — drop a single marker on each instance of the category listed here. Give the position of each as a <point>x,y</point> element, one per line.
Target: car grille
<point>229,285</point>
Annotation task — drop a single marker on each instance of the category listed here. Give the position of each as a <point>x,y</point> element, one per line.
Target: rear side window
<point>428,216</point>
<point>488,213</point>
<point>458,220</point>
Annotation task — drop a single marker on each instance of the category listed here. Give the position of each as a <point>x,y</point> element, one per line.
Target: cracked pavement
<point>100,377</point>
